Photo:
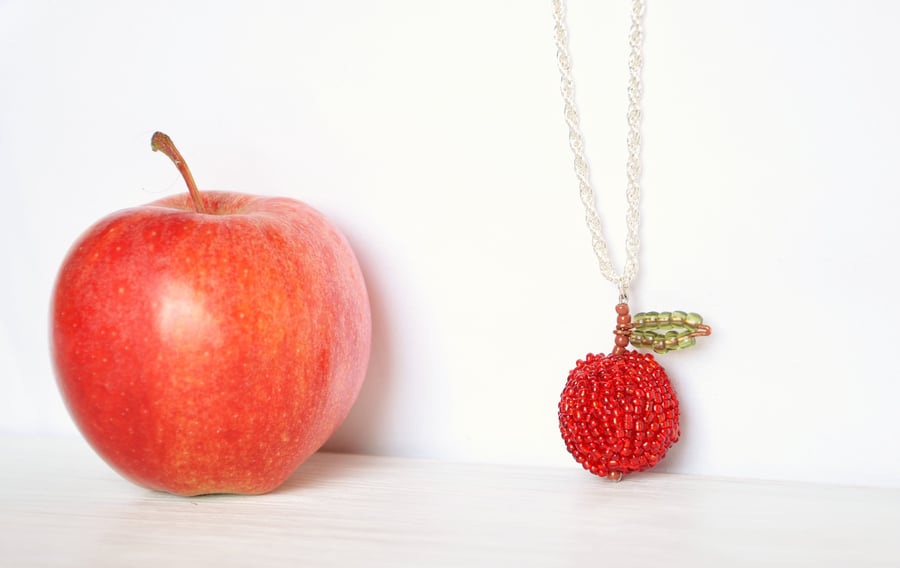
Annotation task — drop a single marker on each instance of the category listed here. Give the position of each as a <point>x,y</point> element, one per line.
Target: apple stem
<point>162,143</point>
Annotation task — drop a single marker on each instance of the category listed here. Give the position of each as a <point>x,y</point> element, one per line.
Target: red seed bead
<point>622,309</point>
<point>618,413</point>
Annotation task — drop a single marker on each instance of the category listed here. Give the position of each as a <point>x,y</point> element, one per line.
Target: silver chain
<point>633,165</point>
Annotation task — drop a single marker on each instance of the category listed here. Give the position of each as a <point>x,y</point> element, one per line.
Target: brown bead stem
<point>623,328</point>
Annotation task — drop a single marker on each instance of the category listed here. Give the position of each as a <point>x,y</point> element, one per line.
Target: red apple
<point>210,343</point>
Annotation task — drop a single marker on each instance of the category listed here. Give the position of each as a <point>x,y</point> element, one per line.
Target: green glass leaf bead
<point>640,339</point>
<point>664,320</point>
<point>671,340</point>
<point>659,345</point>
<point>650,318</point>
<point>686,341</point>
<point>693,319</point>
<point>678,317</point>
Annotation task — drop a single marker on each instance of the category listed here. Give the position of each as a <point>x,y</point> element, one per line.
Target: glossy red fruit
<point>618,413</point>
<point>211,343</point>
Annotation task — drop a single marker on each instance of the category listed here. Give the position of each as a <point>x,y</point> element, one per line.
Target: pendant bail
<point>623,293</point>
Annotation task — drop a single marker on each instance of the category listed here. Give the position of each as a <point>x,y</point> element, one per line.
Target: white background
<point>432,134</point>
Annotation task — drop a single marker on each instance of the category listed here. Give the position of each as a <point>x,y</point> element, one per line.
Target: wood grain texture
<point>61,506</point>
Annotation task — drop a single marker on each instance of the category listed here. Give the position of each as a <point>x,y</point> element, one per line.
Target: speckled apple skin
<point>210,353</point>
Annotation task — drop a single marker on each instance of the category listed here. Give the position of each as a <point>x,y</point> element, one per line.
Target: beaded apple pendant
<point>618,413</point>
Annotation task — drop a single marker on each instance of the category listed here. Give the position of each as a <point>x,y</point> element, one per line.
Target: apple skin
<point>215,352</point>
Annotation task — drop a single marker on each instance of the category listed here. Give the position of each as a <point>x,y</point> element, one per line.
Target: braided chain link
<point>633,164</point>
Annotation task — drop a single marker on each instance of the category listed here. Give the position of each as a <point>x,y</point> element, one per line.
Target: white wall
<point>432,133</point>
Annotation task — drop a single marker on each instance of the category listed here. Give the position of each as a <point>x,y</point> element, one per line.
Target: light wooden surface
<point>62,506</point>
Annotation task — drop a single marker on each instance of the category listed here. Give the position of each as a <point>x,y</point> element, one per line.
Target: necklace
<point>618,413</point>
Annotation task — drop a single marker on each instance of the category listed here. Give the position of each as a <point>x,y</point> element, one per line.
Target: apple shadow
<point>363,429</point>
<point>322,469</point>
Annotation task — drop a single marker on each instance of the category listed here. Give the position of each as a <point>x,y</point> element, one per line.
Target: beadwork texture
<point>618,413</point>
<point>666,331</point>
